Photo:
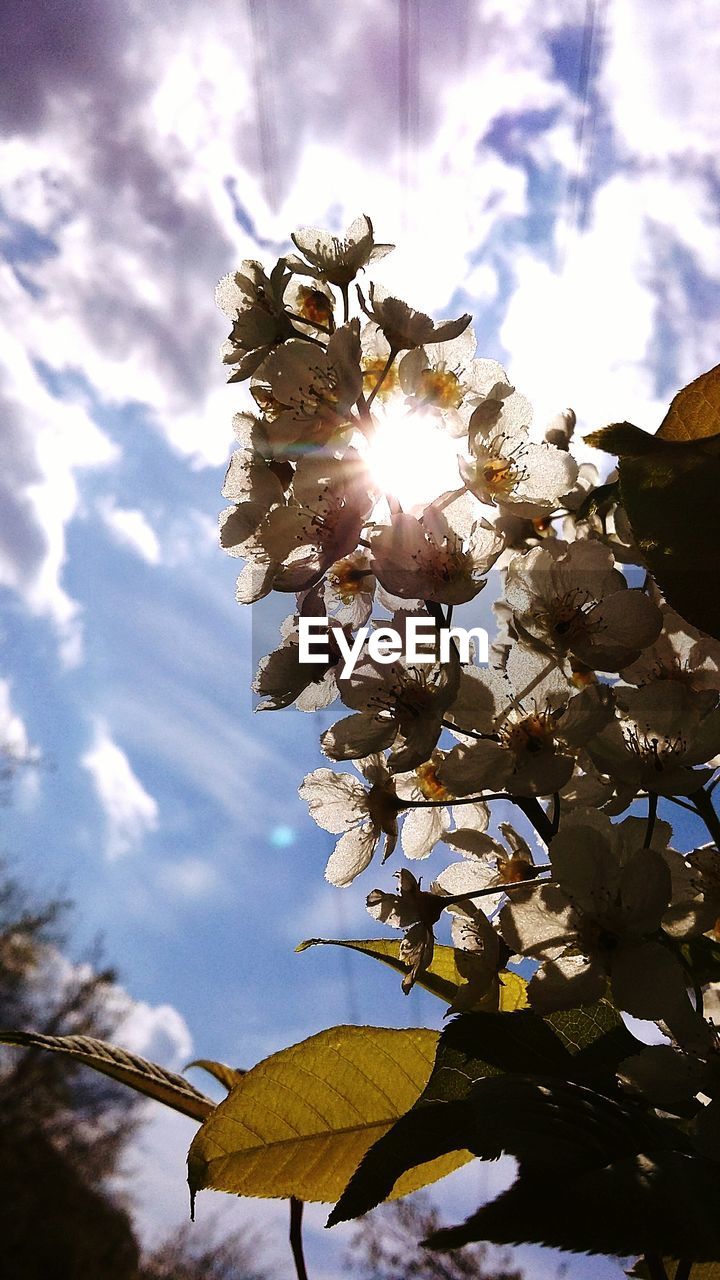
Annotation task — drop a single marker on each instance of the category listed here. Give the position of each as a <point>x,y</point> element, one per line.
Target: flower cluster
<point>597,696</point>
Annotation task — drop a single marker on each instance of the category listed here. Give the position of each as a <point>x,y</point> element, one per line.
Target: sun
<point>411,458</point>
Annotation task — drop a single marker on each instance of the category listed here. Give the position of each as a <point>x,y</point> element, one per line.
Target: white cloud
<point>46,442</point>
<point>158,1032</point>
<point>130,812</point>
<point>582,337</point>
<point>13,734</point>
<point>189,877</point>
<point>130,528</point>
<point>657,77</point>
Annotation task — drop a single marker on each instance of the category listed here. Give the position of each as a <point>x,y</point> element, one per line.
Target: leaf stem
<point>443,804</point>
<point>652,815</point>
<point>555,812</point>
<point>322,328</point>
<point>703,806</point>
<point>654,1264</point>
<point>296,1240</point>
<point>500,888</point>
<point>682,804</point>
<point>535,814</point>
<point>530,806</point>
<point>471,733</point>
<point>386,369</point>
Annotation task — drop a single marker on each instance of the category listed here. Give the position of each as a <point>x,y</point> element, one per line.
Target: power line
<point>408,99</point>
<point>264,105</point>
<point>578,188</point>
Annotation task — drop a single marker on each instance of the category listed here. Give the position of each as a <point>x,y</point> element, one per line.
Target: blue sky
<point>145,151</point>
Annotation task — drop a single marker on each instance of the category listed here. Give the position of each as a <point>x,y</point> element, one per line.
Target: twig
<point>388,366</point>
<point>703,805</point>
<point>652,815</point>
<point>500,888</point>
<point>296,1241</point>
<point>654,1264</point>
<point>470,733</point>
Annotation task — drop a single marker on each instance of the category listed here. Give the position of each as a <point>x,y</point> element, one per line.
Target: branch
<point>703,806</point>
<point>296,1241</point>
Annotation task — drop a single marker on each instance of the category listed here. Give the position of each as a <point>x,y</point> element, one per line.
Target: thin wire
<point>408,100</point>
<point>578,188</point>
<point>346,960</point>
<point>264,106</point>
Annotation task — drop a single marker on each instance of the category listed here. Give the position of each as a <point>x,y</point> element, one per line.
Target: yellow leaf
<point>442,978</point>
<point>139,1074</point>
<point>695,411</point>
<point>698,1270</point>
<point>513,992</point>
<point>227,1076</point>
<point>299,1123</point>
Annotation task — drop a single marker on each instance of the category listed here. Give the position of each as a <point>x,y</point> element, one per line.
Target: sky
<point>551,168</point>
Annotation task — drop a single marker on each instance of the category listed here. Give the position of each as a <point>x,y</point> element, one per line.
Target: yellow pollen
<point>441,388</point>
<point>266,401</point>
<point>582,676</point>
<point>372,368</point>
<point>498,475</point>
<point>348,579</point>
<point>314,305</point>
<point>430,784</point>
<point>515,870</point>
<point>533,734</point>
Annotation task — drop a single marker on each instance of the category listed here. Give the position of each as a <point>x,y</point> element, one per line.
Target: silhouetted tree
<point>64,1128</point>
<point>385,1247</point>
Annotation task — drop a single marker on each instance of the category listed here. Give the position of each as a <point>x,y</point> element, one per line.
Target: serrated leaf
<point>694,412</point>
<point>702,956</point>
<point>227,1076</point>
<point>582,1046</point>
<point>626,1177</point>
<point>476,1045</point>
<point>667,1198</point>
<point>600,499</point>
<point>698,1271</point>
<point>299,1122</point>
<point>580,1028</point>
<point>129,1069</point>
<point>668,487</point>
<point>442,978</point>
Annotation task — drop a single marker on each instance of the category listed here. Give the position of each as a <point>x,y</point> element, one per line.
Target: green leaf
<point>582,1045</point>
<point>139,1074</point>
<point>667,1198</point>
<point>228,1077</point>
<point>668,487</point>
<point>702,956</point>
<point>476,1045</point>
<point>298,1123</point>
<point>600,499</point>
<point>442,978</point>
<point>595,1175</point>
<point>582,1028</point>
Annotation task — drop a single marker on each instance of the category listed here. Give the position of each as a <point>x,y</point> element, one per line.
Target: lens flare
<point>411,458</point>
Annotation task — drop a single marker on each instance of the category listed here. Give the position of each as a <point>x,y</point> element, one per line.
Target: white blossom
<point>341,803</point>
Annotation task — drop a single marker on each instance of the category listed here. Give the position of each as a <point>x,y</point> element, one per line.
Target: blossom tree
<point>386,477</point>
